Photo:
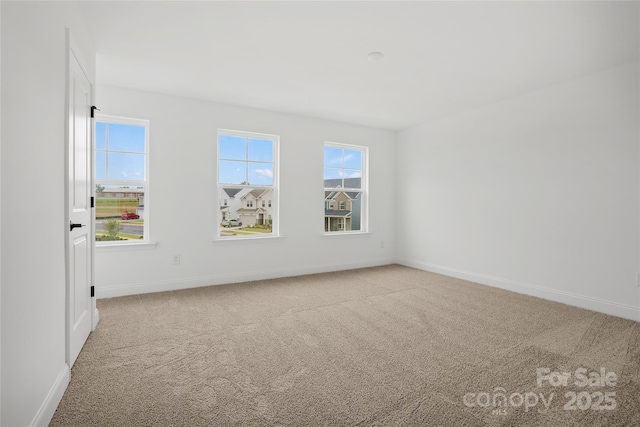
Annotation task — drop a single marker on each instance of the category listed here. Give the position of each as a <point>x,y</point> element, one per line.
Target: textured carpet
<point>382,346</point>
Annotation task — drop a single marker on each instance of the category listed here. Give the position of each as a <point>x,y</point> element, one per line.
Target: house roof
<point>250,210</point>
<point>123,190</point>
<point>231,192</point>
<point>333,194</point>
<point>257,193</point>
<point>338,183</point>
<point>342,214</point>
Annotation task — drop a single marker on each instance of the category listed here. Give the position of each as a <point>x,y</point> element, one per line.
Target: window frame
<point>275,187</point>
<point>364,189</point>
<point>109,119</point>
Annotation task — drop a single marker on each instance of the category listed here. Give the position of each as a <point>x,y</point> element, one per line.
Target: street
<point>136,229</point>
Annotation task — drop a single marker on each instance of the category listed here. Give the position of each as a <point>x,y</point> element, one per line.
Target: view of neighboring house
<point>121,192</point>
<point>256,207</point>
<point>125,199</point>
<point>342,208</point>
<point>249,206</point>
<point>229,203</point>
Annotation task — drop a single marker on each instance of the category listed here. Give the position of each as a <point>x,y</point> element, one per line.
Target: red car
<point>129,215</point>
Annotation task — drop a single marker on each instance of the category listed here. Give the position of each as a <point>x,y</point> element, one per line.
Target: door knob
<point>72,226</point>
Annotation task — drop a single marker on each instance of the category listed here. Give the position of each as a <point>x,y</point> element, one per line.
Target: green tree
<point>99,188</point>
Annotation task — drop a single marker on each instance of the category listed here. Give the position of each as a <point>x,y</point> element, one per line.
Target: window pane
<point>344,181</point>
<point>356,211</point>
<point>353,182</point>
<point>126,138</point>
<point>260,150</point>
<point>244,214</point>
<point>343,211</point>
<point>101,136</point>
<point>260,173</point>
<point>120,156</point>
<point>232,172</point>
<point>333,157</point>
<point>120,213</point>
<point>126,166</point>
<point>233,147</point>
<point>334,176</point>
<point>101,165</point>
<point>353,159</point>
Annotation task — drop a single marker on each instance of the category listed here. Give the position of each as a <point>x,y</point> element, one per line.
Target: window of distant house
<point>247,177</point>
<point>345,184</point>
<point>121,179</point>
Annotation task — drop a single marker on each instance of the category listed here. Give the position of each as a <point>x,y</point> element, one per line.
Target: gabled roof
<point>257,193</point>
<point>231,192</point>
<point>333,194</point>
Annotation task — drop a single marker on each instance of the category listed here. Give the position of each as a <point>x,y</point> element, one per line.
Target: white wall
<point>537,194</point>
<point>183,199</point>
<point>34,373</point>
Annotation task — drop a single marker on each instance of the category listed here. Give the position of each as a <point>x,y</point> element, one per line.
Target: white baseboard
<point>53,398</point>
<point>96,319</point>
<point>569,298</point>
<point>223,279</point>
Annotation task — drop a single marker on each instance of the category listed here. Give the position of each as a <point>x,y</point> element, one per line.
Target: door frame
<point>73,50</point>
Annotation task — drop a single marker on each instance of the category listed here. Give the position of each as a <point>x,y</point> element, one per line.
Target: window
<point>121,172</point>
<point>345,186</point>
<point>247,172</point>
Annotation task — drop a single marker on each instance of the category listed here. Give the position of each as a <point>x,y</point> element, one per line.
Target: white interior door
<point>80,213</point>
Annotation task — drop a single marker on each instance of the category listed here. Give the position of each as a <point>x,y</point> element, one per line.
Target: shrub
<point>112,227</point>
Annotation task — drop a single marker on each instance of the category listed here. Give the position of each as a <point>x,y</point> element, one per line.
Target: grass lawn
<point>243,232</point>
<point>252,230</point>
<point>125,236</point>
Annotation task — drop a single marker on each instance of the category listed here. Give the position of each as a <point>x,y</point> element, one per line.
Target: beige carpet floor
<point>383,346</point>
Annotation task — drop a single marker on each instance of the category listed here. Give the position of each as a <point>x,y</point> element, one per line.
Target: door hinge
<point>92,202</point>
<point>93,108</point>
<point>93,292</point>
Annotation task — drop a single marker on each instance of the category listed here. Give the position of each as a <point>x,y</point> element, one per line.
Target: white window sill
<point>347,233</point>
<point>115,247</point>
<point>239,240</point>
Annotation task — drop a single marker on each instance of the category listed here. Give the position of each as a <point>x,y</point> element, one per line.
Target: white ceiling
<point>309,58</point>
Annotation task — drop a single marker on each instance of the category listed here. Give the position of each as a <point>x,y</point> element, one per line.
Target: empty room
<point>331,213</point>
